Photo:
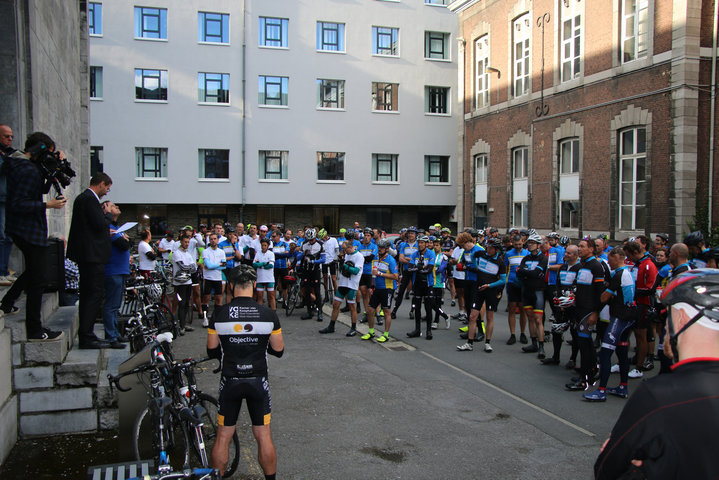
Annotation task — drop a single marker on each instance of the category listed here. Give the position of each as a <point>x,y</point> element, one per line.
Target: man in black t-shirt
<point>240,335</point>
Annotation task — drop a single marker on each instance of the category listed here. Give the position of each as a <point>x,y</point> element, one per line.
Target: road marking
<point>511,395</point>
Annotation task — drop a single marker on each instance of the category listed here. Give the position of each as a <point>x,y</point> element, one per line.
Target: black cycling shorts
<point>381,297</point>
<point>489,297</point>
<point>255,390</point>
<point>533,299</point>
<point>366,280</point>
<point>212,287</point>
<point>332,267</point>
<point>514,293</point>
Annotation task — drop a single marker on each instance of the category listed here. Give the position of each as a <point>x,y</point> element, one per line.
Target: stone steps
<point>61,389</point>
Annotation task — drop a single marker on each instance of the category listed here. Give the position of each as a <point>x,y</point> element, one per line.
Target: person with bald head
<point>6,150</point>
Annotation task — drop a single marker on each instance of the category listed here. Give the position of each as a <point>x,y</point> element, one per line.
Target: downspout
<point>244,115</point>
<point>712,116</point>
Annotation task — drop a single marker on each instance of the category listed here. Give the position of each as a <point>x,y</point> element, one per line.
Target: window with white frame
<point>481,75</point>
<point>330,94</point>
<point>213,27</point>
<point>384,167</point>
<point>520,162</point>
<point>150,84</point>
<point>214,163</point>
<point>520,214</point>
<point>569,214</point>
<point>151,162</point>
<point>331,166</point>
<point>94,19</point>
<point>273,90</point>
<point>635,29</point>
<point>436,45</point>
<point>436,169</point>
<point>521,32</point>
<point>330,37</point>
<point>273,32</point>
<point>571,31</point>
<point>632,178</point>
<point>96,83</point>
<point>273,164</point>
<point>385,41</point>
<point>436,100</point>
<point>213,87</point>
<point>481,168</point>
<point>151,23</point>
<point>385,96</point>
<point>569,156</point>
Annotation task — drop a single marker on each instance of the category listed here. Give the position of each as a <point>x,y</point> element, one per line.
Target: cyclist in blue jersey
<point>281,249</point>
<point>368,249</point>
<point>437,284</point>
<point>405,250</point>
<point>512,259</point>
<point>421,267</point>
<point>385,276</point>
<point>555,256</point>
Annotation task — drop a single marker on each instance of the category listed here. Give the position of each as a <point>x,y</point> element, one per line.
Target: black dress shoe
<point>122,339</point>
<point>117,345</point>
<point>94,344</point>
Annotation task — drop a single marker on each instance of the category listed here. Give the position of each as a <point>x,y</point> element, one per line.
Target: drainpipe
<point>244,115</point>
<point>712,117</point>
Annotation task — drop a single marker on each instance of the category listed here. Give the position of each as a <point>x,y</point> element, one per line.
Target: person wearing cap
<point>668,427</point>
<point>661,240</point>
<point>531,272</point>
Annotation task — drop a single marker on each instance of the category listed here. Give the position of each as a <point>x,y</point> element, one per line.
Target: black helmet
<point>472,231</point>
<point>694,239</point>
<point>368,230</point>
<point>384,243</point>
<point>241,274</point>
<point>699,289</point>
<point>349,234</point>
<point>564,240</point>
<point>494,242</point>
<point>524,231</point>
<point>664,236</point>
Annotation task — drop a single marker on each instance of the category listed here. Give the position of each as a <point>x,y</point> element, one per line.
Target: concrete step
<point>64,319</point>
<point>16,321</point>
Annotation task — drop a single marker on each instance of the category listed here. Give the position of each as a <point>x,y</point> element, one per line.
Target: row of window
<point>151,24</point>
<point>151,84</point>
<point>635,31</point>
<point>151,163</point>
<point>632,178</point>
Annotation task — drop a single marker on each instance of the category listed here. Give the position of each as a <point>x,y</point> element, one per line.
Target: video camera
<point>57,171</point>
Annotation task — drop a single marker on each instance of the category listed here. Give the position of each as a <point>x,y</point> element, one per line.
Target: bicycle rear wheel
<point>209,434</point>
<point>160,316</point>
<point>292,299</point>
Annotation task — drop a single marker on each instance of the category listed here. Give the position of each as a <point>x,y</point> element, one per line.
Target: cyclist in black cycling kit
<point>668,428</point>
<point>240,335</point>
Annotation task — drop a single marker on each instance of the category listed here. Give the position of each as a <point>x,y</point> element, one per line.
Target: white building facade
<point>299,112</point>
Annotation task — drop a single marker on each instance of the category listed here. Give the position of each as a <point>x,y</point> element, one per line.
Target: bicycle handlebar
<point>188,362</point>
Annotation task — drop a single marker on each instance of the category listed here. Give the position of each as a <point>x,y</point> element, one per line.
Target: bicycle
<point>177,413</point>
<point>141,302</point>
<point>194,474</point>
<point>293,293</point>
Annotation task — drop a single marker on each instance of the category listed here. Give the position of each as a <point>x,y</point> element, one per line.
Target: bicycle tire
<point>209,434</point>
<point>291,301</point>
<point>146,440</point>
<point>162,318</point>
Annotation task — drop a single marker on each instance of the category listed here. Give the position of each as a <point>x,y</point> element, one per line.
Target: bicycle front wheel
<point>209,434</point>
<point>148,437</point>
<point>292,298</point>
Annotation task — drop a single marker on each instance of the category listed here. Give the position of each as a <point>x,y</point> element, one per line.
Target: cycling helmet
<point>524,231</point>
<point>412,229</point>
<point>292,242</point>
<point>535,238</point>
<point>343,231</point>
<point>480,232</point>
<point>560,328</point>
<point>280,226</point>
<point>446,230</point>
<point>368,230</point>
<point>694,239</point>
<point>421,231</point>
<point>553,235</point>
<point>402,230</point>
<point>181,277</point>
<point>350,234</point>
<point>532,231</point>
<point>384,243</point>
<point>514,231</point>
<point>310,233</point>
<point>664,236</point>
<point>423,238</point>
<point>564,301</point>
<point>472,231</point>
<point>494,242</point>
<point>564,240</point>
<point>493,230</point>
<point>699,290</point>
<point>321,234</point>
<point>267,240</point>
<point>241,274</point>
<point>432,238</point>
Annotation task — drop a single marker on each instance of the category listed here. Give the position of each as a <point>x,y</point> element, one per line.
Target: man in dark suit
<point>89,246</point>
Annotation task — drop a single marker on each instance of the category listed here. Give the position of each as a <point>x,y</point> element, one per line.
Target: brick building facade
<point>585,116</point>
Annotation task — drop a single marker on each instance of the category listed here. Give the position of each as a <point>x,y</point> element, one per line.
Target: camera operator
<point>26,223</point>
<point>90,247</point>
